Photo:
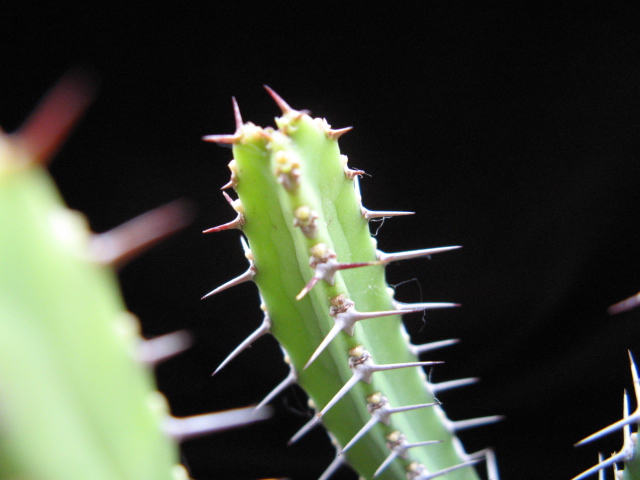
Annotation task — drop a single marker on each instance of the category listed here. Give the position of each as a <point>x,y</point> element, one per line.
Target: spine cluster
<point>325,299</point>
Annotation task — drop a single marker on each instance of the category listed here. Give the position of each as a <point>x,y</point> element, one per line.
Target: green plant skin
<point>281,254</point>
<point>74,403</point>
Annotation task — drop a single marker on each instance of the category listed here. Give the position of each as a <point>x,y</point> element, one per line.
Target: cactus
<point>324,296</point>
<point>76,398</point>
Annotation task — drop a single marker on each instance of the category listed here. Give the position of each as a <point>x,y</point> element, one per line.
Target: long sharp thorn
<point>158,349</point>
<point>429,476</point>
<point>363,368</point>
<point>610,429</point>
<point>337,133</point>
<point>238,222</point>
<point>636,382</point>
<point>125,242</point>
<point>189,427</point>
<point>222,139</point>
<point>400,450</point>
<point>337,327</point>
<point>408,408</point>
<point>263,329</point>
<point>392,257</point>
<point>427,347</point>
<point>628,446</point>
<point>492,465</point>
<point>395,366</point>
<point>423,306</point>
<point>351,316</point>
<point>381,412</point>
<point>227,185</point>
<point>284,106</point>
<point>229,139</point>
<point>462,382</point>
<point>347,266</point>
<point>369,214</point>
<point>620,424</point>
<point>490,458</point>
<point>387,461</point>
<point>307,288</point>
<point>358,316</point>
<point>471,423</point>
<point>247,276</point>
<point>600,466</point>
<point>287,382</point>
<point>47,127</point>
<point>422,444</point>
<point>304,430</point>
<point>624,305</point>
<point>367,426</point>
<point>332,468</point>
<point>341,393</point>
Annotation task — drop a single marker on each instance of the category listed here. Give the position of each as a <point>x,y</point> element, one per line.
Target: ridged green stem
<point>299,165</point>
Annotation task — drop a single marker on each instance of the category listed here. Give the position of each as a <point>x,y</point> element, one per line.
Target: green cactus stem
<point>323,290</point>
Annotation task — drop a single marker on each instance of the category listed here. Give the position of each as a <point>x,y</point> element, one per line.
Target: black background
<point>511,130</point>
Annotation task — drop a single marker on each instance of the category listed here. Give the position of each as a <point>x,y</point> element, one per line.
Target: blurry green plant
<point>77,397</point>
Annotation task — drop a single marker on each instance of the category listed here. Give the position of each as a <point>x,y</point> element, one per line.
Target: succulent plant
<point>325,299</point>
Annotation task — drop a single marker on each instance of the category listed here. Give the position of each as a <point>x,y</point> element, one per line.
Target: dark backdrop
<point>511,130</point>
